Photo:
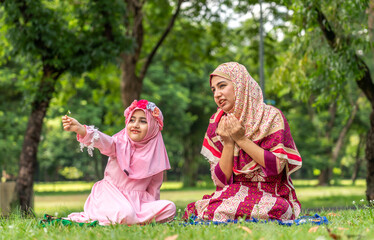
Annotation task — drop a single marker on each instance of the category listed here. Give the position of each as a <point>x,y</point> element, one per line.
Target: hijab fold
<point>264,124</point>
<point>147,157</point>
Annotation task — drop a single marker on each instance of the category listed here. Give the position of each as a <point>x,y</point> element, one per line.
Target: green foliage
<point>316,172</point>
<point>328,71</point>
<point>13,109</point>
<point>177,82</point>
<point>73,36</point>
<point>42,37</point>
<point>303,75</point>
<point>71,173</point>
<point>92,99</point>
<point>314,75</point>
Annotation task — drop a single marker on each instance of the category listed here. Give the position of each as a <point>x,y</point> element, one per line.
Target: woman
<point>251,153</point>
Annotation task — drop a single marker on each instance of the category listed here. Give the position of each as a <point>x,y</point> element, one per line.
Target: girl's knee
<point>172,206</point>
<point>170,209</point>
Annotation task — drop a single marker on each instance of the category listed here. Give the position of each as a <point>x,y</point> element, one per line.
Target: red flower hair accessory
<point>144,104</point>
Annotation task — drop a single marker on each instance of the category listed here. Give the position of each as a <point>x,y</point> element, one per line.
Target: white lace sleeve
<point>93,133</point>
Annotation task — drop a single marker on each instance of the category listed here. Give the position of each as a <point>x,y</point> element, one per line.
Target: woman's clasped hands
<point>230,129</point>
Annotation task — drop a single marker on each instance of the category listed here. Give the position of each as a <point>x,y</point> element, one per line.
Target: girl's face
<point>138,126</point>
<point>223,91</point>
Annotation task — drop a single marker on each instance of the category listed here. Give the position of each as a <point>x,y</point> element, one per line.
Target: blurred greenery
<point>303,78</point>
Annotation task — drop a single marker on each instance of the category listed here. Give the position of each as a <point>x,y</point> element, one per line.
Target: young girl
<point>130,190</point>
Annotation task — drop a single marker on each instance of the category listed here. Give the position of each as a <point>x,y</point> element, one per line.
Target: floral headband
<point>146,105</point>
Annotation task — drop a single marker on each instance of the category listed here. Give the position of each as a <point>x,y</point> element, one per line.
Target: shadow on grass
<point>330,203</point>
<point>61,193</point>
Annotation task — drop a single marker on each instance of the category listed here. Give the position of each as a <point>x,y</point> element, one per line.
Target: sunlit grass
<point>348,224</point>
<point>79,186</point>
<point>63,186</point>
<point>171,185</point>
<point>61,198</point>
<point>314,182</point>
<point>318,197</point>
<point>72,195</point>
<point>71,186</point>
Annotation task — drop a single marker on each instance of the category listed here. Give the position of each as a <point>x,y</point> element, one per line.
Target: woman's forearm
<point>226,161</point>
<point>253,150</point>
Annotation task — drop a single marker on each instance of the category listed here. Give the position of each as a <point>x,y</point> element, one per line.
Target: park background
<point>90,59</point>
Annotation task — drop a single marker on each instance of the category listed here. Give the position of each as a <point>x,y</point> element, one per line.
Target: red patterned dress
<point>253,191</point>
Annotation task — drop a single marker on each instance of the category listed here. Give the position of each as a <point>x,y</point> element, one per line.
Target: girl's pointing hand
<point>72,125</point>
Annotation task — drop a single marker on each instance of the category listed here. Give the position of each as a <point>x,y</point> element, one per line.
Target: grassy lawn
<point>52,197</point>
<point>347,224</point>
<point>62,198</point>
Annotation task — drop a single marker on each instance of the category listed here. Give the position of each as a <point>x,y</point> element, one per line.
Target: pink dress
<point>118,198</point>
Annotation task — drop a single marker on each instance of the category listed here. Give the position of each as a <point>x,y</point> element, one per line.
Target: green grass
<point>76,186</point>
<point>62,198</point>
<point>63,186</point>
<point>348,224</point>
<point>52,197</point>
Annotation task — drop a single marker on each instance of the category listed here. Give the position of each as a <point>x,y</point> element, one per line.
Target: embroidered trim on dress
<point>95,137</point>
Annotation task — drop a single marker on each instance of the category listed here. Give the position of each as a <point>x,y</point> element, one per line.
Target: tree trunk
<point>190,165</point>
<point>365,83</point>
<point>131,81</point>
<point>343,133</point>
<point>339,143</point>
<point>28,160</point>
<point>370,160</point>
<point>370,12</point>
<point>358,159</point>
<point>326,173</point>
<point>324,177</point>
<point>369,151</point>
<point>131,85</point>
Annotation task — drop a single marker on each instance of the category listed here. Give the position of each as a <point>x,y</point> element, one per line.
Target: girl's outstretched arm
<point>90,137</point>
<point>72,125</point>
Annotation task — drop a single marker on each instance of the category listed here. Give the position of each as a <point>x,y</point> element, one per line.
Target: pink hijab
<point>147,157</point>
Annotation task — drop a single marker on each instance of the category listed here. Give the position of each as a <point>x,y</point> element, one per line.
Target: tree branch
<point>160,41</point>
<point>365,83</point>
<point>330,125</point>
<point>344,131</point>
<point>135,8</point>
<point>326,28</point>
<point>137,4</point>
<point>108,29</point>
<point>370,13</point>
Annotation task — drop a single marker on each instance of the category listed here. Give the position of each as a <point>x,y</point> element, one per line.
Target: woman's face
<point>138,126</point>
<point>223,91</point>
